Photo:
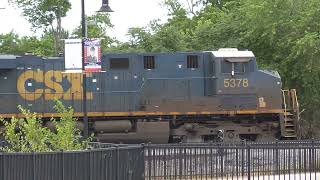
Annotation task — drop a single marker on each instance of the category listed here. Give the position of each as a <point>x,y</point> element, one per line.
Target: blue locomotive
<point>159,98</point>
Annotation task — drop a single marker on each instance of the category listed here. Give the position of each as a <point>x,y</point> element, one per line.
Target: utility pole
<point>104,8</point>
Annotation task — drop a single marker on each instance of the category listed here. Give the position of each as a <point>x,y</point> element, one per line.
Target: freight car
<point>159,98</point>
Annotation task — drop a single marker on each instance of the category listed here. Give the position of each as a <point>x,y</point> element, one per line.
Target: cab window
<point>236,67</point>
<point>239,67</point>
<point>119,63</point>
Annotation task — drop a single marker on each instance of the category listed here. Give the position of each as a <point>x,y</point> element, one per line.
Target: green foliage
<point>28,134</point>
<point>140,39</point>
<point>67,135</point>
<point>97,27</point>
<point>283,34</point>
<point>44,14</point>
<point>11,43</point>
<point>12,136</point>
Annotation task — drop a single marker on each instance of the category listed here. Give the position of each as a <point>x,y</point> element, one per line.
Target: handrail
<point>284,103</point>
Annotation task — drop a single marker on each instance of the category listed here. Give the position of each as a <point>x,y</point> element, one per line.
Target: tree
<point>140,38</point>
<point>43,14</point>
<point>97,27</point>
<point>11,43</point>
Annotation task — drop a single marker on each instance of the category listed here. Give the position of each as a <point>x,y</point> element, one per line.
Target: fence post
<point>277,159</point>
<point>117,163</point>
<point>2,173</point>
<point>107,159</point>
<point>312,159</point>
<point>220,151</point>
<point>180,160</point>
<point>90,165</point>
<point>142,160</point>
<point>249,161</point>
<point>62,166</point>
<point>242,158</point>
<point>148,160</point>
<point>33,166</point>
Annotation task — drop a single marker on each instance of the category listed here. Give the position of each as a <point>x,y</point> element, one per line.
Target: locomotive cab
<point>246,87</point>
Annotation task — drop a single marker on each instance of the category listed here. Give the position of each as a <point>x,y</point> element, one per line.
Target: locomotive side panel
<point>174,83</point>
<point>8,90</point>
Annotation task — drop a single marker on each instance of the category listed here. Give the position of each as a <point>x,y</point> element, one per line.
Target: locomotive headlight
<point>278,83</point>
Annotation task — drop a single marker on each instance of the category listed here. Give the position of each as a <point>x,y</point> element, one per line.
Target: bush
<point>28,134</point>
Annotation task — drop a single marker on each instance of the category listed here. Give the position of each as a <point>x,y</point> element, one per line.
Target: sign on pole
<point>92,55</point>
<point>73,55</point>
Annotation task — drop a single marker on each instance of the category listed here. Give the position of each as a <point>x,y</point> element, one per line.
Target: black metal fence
<point>112,163</point>
<point>282,160</point>
<point>274,160</point>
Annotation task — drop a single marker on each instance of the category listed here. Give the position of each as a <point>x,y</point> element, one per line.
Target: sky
<point>127,13</point>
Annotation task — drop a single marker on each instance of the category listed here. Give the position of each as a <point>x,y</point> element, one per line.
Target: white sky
<point>127,13</point>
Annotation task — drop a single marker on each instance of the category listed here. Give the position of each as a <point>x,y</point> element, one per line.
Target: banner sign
<point>92,55</point>
<point>73,55</point>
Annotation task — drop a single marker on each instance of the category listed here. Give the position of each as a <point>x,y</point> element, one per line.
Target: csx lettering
<point>234,83</point>
<point>52,86</point>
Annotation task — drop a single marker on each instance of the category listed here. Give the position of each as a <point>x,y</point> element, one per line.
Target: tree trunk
<point>58,33</point>
<point>55,40</point>
<point>59,30</point>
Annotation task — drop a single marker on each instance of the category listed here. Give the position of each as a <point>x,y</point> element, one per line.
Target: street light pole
<point>84,76</point>
<point>104,8</point>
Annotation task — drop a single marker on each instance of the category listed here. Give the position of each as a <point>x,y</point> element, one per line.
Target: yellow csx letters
<point>52,87</point>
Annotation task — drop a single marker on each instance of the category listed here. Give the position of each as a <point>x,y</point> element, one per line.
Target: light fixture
<point>105,6</point>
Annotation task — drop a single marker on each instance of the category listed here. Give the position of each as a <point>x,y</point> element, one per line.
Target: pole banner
<point>92,55</point>
<point>73,55</point>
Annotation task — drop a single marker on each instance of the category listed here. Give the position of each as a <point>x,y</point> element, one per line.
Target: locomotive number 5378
<point>235,83</point>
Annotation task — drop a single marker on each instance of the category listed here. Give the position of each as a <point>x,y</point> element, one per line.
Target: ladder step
<point>290,130</point>
<point>288,114</point>
<point>290,136</point>
<point>289,120</point>
<point>290,133</point>
<point>289,125</point>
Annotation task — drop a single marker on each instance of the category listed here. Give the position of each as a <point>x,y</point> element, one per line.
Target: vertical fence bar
<point>33,166</point>
<point>222,161</point>
<point>62,165</point>
<point>315,161</point>
<point>117,163</point>
<point>180,162</point>
<point>2,172</point>
<point>148,160</point>
<point>249,161</point>
<point>305,161</point>
<point>277,159</point>
<point>242,162</point>
<point>237,163</point>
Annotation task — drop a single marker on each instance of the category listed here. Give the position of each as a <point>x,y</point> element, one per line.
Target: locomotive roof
<point>223,53</point>
<point>232,53</point>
